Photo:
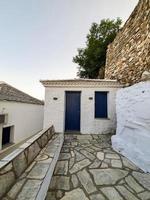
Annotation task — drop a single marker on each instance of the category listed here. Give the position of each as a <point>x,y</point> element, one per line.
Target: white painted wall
<point>133,124</point>
<point>27,119</point>
<point>54,110</point>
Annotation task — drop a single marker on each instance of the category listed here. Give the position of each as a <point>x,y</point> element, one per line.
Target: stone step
<point>33,183</point>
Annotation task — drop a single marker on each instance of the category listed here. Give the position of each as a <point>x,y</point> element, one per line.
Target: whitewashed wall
<point>54,110</point>
<point>133,124</point>
<point>27,119</point>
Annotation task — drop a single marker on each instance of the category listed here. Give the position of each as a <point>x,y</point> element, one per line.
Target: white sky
<point>38,38</point>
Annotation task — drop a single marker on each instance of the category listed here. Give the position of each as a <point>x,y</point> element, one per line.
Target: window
<point>101,105</point>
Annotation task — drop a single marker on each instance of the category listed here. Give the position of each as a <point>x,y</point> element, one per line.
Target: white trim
<point>84,83</point>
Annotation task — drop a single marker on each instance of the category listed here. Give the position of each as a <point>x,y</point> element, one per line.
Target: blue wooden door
<point>72,118</point>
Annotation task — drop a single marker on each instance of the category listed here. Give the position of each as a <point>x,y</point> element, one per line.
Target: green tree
<point>93,57</point>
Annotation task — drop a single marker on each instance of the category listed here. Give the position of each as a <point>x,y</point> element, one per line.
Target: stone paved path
<point>89,169</point>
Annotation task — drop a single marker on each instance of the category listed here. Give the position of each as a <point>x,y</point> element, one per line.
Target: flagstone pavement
<point>89,169</point>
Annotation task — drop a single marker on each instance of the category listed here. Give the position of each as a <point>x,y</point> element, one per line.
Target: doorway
<point>72,114</point>
<point>6,135</point>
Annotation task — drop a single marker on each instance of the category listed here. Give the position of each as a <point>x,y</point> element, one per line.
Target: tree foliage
<point>91,58</point>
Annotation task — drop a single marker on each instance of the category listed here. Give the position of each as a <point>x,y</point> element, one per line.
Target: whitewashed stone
<point>107,176</point>
<point>86,181</point>
<point>133,139</point>
<point>75,194</point>
<point>111,193</point>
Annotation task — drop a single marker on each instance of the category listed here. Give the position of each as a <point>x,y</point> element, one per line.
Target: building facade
<point>80,105</point>
<point>21,115</point>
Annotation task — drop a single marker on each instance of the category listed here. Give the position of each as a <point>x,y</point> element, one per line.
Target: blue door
<point>72,118</point>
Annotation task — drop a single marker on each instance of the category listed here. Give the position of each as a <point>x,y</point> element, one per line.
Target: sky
<point>38,38</point>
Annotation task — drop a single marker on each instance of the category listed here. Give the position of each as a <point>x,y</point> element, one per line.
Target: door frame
<point>65,107</point>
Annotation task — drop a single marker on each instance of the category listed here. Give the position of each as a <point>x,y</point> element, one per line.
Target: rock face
<point>128,56</point>
<point>133,124</point>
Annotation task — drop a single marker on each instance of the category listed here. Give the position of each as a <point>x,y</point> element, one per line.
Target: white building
<point>21,115</point>
<point>80,105</point>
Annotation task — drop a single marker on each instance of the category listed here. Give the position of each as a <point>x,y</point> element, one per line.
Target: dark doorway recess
<point>6,135</point>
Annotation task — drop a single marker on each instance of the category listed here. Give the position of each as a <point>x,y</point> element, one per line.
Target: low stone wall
<point>128,56</point>
<point>13,165</point>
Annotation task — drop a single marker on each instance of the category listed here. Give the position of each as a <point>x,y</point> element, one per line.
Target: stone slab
<point>143,179</point>
<point>79,165</point>
<point>107,176</point>
<point>116,163</point>
<point>144,195</point>
<point>29,190</point>
<point>125,193</point>
<point>6,181</point>
<point>79,156</point>
<point>20,164</point>
<point>86,181</point>
<point>111,193</point>
<point>97,197</point>
<point>61,168</point>
<point>100,155</point>
<point>60,183</point>
<point>64,156</point>
<point>133,184</point>
<point>16,189</point>
<point>38,171</point>
<point>76,194</point>
<point>88,155</point>
<point>74,181</point>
